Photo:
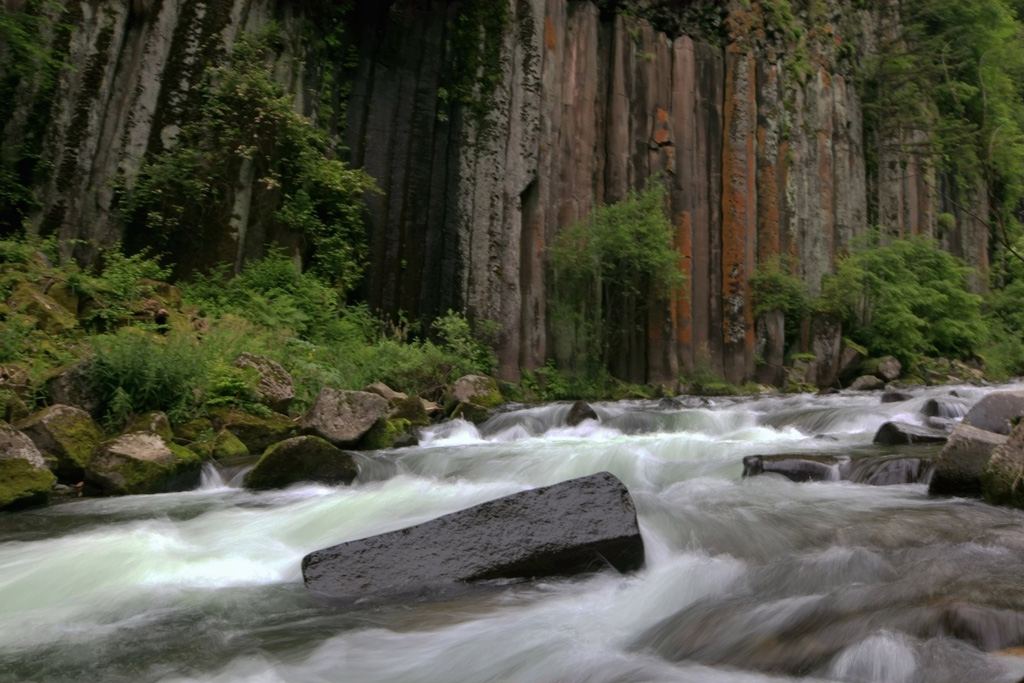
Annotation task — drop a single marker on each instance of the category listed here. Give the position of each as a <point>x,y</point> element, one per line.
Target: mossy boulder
<point>50,316</point>
<point>22,485</point>
<point>344,417</point>
<point>193,430</point>
<point>25,480</point>
<point>257,433</point>
<point>302,458</point>
<point>411,409</point>
<point>477,390</point>
<point>227,446</point>
<point>153,422</point>
<point>385,434</point>
<point>274,385</point>
<point>141,462</point>
<point>68,435</point>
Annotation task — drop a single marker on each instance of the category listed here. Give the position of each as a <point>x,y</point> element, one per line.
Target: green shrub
<point>246,120</point>
<point>133,372</point>
<point>906,299</point>
<point>605,268</point>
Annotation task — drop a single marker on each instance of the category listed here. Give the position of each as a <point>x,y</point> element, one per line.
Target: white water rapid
<point>746,580</point>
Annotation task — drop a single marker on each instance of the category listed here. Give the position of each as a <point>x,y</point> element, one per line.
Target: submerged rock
<point>798,468</point>
<point>580,525</point>
<point>958,468</point>
<point>580,411</point>
<point>893,396</point>
<point>892,470</point>
<point>903,433</point>
<point>303,458</point>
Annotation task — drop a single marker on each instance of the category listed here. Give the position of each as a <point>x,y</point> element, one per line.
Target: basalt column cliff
<point>754,122</point>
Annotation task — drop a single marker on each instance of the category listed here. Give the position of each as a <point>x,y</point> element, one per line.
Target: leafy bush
<point>907,299</point>
<point>272,293</point>
<point>604,267</point>
<point>247,126</point>
<point>133,372</point>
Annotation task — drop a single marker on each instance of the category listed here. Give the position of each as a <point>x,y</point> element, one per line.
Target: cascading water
<point>746,579</point>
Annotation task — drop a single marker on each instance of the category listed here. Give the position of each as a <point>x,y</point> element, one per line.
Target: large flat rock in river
<point>579,525</point>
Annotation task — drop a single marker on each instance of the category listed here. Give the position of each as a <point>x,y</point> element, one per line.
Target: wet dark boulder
<point>580,411</point>
<point>798,468</point>
<point>997,412</point>
<point>892,470</point>
<point>959,466</point>
<point>580,525</point>
<point>893,396</point>
<point>945,407</point>
<point>903,433</point>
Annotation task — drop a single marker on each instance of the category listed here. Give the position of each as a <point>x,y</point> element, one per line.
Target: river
<point>757,579</point>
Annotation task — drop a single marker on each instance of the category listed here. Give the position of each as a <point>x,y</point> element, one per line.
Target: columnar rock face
<point>761,151</point>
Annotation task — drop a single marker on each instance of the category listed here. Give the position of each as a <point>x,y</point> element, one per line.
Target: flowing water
<point>754,579</point>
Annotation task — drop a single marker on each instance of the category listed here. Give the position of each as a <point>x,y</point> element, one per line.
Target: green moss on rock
<point>384,434</point>
<point>67,434</point>
<point>22,485</point>
<point>303,458</point>
<point>257,433</point>
<point>142,462</point>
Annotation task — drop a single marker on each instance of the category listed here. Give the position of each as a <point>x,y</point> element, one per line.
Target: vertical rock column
<point>738,213</point>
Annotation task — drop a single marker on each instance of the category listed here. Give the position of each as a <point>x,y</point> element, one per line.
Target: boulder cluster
<point>982,454</point>
<point>63,452</point>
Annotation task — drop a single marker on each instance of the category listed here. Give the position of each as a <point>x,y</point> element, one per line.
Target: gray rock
<point>68,435</point>
<point>17,446</point>
<point>867,383</point>
<point>798,468</point>
<point>960,465</point>
<point>274,384</point>
<point>850,361</point>
<point>385,392</point>
<point>580,525</point>
<point>580,411</point>
<point>888,368</point>
<point>891,396</point>
<point>343,417</point>
<point>902,433</point>
<point>302,458</point>
<point>1002,479</point>
<point>996,411</point>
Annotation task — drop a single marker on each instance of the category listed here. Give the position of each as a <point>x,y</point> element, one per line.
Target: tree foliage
<point>247,131</point>
<point>908,299</point>
<point>950,85</point>
<point>606,265</point>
